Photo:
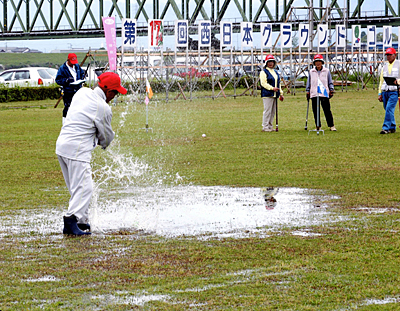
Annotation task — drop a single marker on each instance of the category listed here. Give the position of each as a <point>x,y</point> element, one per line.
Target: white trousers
<point>269,112</point>
<point>78,177</point>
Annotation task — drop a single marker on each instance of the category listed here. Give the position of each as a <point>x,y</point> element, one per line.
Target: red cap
<point>112,81</point>
<point>270,57</point>
<point>318,57</point>
<point>72,58</point>
<point>390,51</point>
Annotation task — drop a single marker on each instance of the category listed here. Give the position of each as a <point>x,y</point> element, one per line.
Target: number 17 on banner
<point>155,33</point>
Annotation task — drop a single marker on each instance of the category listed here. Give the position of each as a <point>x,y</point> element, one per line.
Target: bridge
<point>40,19</point>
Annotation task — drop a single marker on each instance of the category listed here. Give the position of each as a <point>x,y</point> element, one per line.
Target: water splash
<point>115,170</point>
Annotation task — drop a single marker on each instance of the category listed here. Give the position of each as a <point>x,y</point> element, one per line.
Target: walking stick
<point>276,108</point>
<point>308,104</point>
<point>58,101</point>
<point>398,95</point>
<point>318,117</point>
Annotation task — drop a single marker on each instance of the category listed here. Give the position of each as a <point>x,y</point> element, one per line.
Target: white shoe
<point>333,128</point>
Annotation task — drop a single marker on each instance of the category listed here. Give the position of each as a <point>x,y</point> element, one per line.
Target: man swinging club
<point>88,124</point>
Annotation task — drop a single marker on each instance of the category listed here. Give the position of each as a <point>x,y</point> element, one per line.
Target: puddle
<point>130,300</point>
<point>187,211</point>
<point>369,302</point>
<point>306,233</point>
<point>49,278</point>
<point>196,210</point>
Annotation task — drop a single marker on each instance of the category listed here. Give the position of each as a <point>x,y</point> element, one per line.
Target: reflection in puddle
<point>269,197</point>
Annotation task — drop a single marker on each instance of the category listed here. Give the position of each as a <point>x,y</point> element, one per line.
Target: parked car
<point>31,76</point>
<point>192,73</point>
<point>52,72</point>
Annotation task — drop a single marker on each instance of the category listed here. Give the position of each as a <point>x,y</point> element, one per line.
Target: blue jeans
<point>389,104</point>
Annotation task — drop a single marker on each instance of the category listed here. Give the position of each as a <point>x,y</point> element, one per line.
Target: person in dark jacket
<point>68,74</point>
<point>270,90</point>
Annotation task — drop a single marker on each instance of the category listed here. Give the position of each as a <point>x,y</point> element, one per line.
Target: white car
<point>30,76</point>
<point>52,72</point>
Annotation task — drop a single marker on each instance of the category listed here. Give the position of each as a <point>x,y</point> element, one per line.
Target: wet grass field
<point>348,262</point>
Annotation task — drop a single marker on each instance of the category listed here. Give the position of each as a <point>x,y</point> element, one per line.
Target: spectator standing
<point>320,89</point>
<point>87,125</point>
<point>388,94</point>
<point>67,74</point>
<point>271,90</point>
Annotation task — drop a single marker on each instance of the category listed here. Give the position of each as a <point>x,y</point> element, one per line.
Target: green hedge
<point>13,94</point>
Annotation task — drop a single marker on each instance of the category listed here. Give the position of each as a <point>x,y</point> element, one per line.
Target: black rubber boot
<point>84,227</point>
<point>71,226</point>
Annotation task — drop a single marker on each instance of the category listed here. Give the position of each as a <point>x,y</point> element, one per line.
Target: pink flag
<point>147,100</point>
<point>111,41</point>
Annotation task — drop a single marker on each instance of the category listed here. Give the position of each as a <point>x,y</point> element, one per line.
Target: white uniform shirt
<point>72,70</point>
<point>88,124</point>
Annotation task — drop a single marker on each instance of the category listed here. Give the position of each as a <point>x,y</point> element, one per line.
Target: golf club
<point>308,104</point>
<point>318,116</point>
<point>276,106</point>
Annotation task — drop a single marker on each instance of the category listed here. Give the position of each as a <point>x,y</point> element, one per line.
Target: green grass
<point>347,264</point>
